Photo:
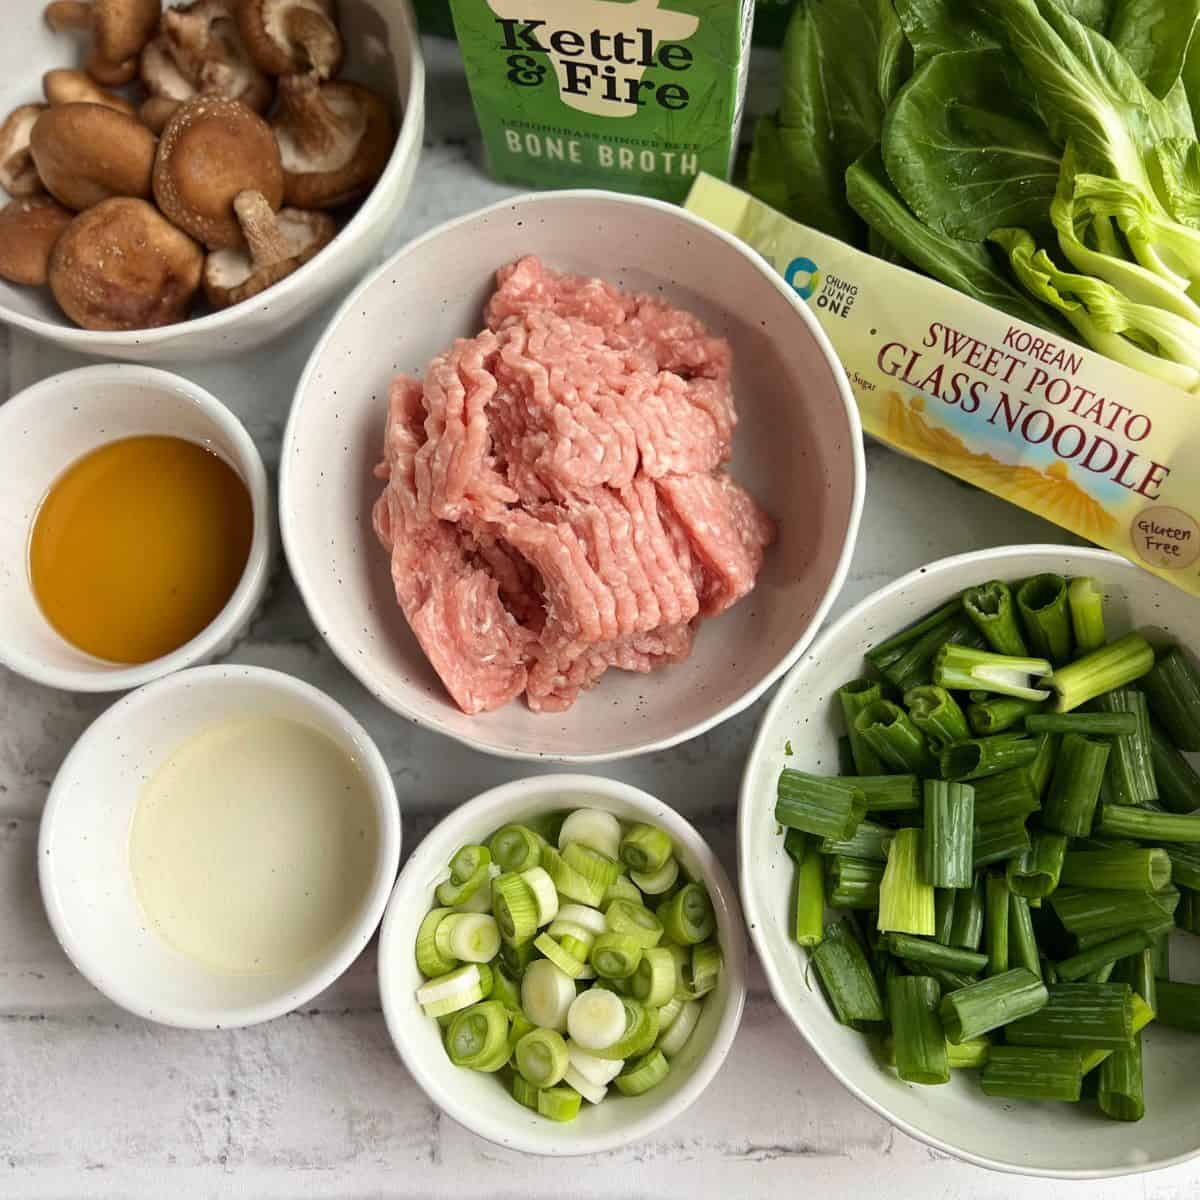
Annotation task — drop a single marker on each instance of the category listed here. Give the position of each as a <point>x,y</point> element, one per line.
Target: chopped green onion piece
<point>1123,869</point>
<point>890,732</point>
<point>594,922</point>
<point>1138,971</point>
<point>1178,782</point>
<point>478,1037</point>
<point>641,1032</point>
<point>990,607</point>
<point>524,1092</point>
<point>541,1057</point>
<point>1123,821</point>
<point>592,1093</point>
<point>1070,807</point>
<point>1006,796</point>
<point>596,1019</point>
<point>888,652</point>
<point>635,921</point>
<point>967,930</point>
<point>1022,942</point>
<point>1179,1005</point>
<point>705,969</point>
<point>949,834</point>
<point>616,955</point>
<point>655,979</point>
<point>1089,724</point>
<point>854,697</point>
<point>561,956</point>
<point>889,793</point>
<point>1173,689</point>
<point>943,914</point>
<point>545,895</point>
<point>468,937</point>
<point>1185,867</point>
<point>594,828</point>
<point>925,953</point>
<point>672,1041</point>
<point>687,917</point>
<point>1105,954</point>
<point>1120,1094</point>
<point>515,908</point>
<point>1033,1073</point>
<point>430,960</point>
<point>515,848</point>
<point>597,1071</point>
<point>936,714</point>
<point>995,923</point>
<point>824,807</point>
<point>869,840</point>
<point>963,668</point>
<point>547,994</point>
<point>645,848</point>
<point>516,958</point>
<point>505,989</point>
<point>999,841</point>
<point>1086,602</point>
<point>660,881</point>
<point>906,901</point>
<point>974,758</point>
<point>595,867</point>
<point>846,977</point>
<point>1086,912</point>
<point>559,1103</point>
<point>919,1044</point>
<point>854,882</point>
<point>997,714</point>
<point>455,990</point>
<point>995,1001</point>
<point>569,882</point>
<point>1112,666</point>
<point>468,873</point>
<point>1035,873</point>
<point>1042,767</point>
<point>1130,766</point>
<point>623,888</point>
<point>642,1074</point>
<point>1042,603</point>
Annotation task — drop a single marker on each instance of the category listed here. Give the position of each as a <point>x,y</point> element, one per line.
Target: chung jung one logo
<point>601,52</point>
<point>803,276</point>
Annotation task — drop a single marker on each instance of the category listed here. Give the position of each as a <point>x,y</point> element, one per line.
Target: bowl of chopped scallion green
<point>969,849</point>
<point>562,965</point>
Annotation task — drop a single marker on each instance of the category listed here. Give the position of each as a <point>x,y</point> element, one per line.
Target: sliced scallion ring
<point>468,873</point>
<point>516,848</point>
<point>669,1011</point>
<point>562,958</point>
<point>544,893</point>
<point>706,968</point>
<point>687,917</point>
<point>559,1103</point>
<point>641,1031</point>
<point>596,1019</point>
<point>615,955</point>
<point>634,919</point>
<point>592,827</point>
<point>505,989</point>
<point>478,1036</point>
<point>592,919</point>
<point>469,937</point>
<point>656,977</point>
<point>454,990</point>
<point>516,958</point>
<point>589,1091</point>
<point>524,1092</point>
<point>599,869</point>
<point>643,1073</point>
<point>430,961</point>
<point>480,901</point>
<point>547,994</point>
<point>655,883</point>
<point>570,883</point>
<point>623,888</point>
<point>541,1056</point>
<point>515,908</point>
<point>645,848</point>
<point>598,1071</point>
<point>674,1040</point>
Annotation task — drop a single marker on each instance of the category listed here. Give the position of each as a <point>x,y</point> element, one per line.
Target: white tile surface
<point>94,1103</point>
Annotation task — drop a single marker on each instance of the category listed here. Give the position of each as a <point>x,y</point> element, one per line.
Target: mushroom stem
<point>62,15</point>
<point>316,35</point>
<point>308,117</point>
<point>260,228</point>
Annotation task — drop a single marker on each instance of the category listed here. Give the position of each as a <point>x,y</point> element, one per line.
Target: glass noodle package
<point>1100,449</point>
<point>631,95</point>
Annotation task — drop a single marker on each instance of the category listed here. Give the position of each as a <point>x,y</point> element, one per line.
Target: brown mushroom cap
<point>110,74</point>
<point>200,50</point>
<point>76,87</point>
<point>211,150</point>
<point>86,153</point>
<point>285,36</point>
<point>18,175</point>
<point>122,265</point>
<point>29,228</point>
<point>276,245</point>
<point>157,111</point>
<point>119,28</point>
<point>334,140</point>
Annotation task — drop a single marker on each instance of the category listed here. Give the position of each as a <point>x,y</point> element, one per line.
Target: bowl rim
<point>408,143</point>
<point>253,473</point>
<point>995,558</point>
<point>293,539</point>
<point>341,953</point>
<point>399,1007</point>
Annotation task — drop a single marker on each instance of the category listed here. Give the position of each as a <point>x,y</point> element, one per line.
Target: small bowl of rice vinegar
<point>136,531</point>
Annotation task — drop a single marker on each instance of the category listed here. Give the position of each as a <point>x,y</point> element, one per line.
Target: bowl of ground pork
<point>575,477</point>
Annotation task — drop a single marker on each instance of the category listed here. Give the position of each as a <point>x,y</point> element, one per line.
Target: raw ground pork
<point>555,501</point>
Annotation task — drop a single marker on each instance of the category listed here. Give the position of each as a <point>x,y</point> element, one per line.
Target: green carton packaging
<point>632,95</point>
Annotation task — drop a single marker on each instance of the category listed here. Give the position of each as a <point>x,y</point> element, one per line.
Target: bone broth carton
<point>632,95</point>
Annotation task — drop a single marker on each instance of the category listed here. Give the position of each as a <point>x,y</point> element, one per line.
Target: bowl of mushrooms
<point>192,180</point>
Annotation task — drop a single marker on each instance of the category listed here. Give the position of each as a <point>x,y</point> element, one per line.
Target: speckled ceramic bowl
<point>1068,1141</point>
<point>384,52</point>
<point>798,449</point>
<point>481,1102</point>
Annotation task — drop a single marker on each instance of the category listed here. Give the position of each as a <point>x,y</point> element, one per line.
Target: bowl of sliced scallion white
<point>969,849</point>
<point>562,964</point>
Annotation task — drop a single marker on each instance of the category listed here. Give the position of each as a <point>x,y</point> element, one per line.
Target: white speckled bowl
<point>798,449</point>
<point>481,1102</point>
<point>83,849</point>
<point>1067,1141</point>
<point>45,430</point>
<point>383,51</point>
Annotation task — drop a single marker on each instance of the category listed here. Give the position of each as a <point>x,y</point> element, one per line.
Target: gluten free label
<point>1166,537</point>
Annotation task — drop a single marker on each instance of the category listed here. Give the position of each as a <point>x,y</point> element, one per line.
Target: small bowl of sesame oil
<point>135,530</point>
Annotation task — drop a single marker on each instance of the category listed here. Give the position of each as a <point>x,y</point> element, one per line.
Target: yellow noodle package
<point>1092,445</point>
